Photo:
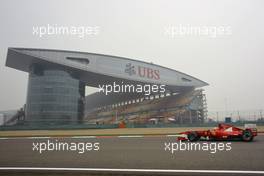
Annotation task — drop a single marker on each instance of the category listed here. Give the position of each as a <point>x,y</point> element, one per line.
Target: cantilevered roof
<point>99,69</point>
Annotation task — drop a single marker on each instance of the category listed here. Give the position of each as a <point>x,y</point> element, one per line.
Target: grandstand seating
<point>177,107</point>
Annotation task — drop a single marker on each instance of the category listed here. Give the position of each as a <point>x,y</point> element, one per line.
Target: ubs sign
<point>144,72</point>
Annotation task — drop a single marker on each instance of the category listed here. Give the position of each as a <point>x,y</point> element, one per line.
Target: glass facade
<point>55,96</point>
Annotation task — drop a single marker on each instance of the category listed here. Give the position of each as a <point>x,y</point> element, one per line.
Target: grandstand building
<point>57,80</point>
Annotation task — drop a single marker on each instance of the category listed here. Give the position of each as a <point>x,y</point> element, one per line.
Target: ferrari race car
<point>222,132</point>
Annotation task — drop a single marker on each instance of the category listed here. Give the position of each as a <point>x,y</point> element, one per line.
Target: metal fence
<point>237,115</point>
<point>115,126</point>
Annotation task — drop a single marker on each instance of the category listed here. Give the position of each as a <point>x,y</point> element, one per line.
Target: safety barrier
<point>109,126</point>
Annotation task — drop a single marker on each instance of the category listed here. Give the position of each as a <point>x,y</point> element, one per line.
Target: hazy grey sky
<point>233,64</point>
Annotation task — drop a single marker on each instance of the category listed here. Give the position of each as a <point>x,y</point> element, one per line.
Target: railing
<point>237,115</point>
<point>47,126</point>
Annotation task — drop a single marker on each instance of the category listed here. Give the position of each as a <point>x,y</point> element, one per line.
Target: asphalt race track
<point>132,153</point>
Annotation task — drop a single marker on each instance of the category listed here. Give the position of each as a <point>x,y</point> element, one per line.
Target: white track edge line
<point>133,170</point>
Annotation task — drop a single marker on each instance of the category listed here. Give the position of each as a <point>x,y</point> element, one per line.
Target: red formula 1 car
<point>222,132</point>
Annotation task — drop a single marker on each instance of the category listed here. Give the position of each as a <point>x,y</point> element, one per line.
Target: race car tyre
<point>193,136</point>
<point>247,135</point>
